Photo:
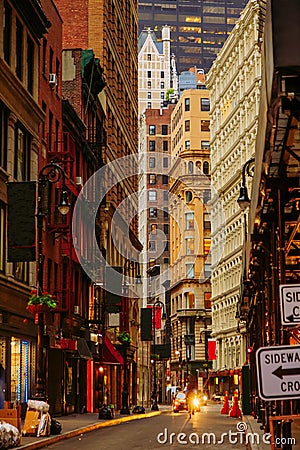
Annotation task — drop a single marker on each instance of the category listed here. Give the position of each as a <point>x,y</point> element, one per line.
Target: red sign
<point>156,316</point>
<point>211,349</point>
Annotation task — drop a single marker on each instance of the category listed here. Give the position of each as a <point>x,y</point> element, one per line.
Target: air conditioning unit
<point>76,309</point>
<point>79,181</point>
<point>53,79</point>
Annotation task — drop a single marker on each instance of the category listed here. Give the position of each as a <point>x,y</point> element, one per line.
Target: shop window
<point>21,370</point>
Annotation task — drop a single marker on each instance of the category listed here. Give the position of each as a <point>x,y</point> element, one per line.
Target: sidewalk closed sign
<point>278,372</point>
<point>290,304</point>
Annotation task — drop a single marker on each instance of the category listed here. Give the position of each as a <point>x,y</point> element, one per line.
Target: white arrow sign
<point>278,372</point>
<point>290,304</point>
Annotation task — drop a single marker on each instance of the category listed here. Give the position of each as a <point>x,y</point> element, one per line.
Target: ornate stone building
<point>234,84</point>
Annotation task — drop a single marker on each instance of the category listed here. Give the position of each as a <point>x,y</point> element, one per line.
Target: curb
<point>69,434</point>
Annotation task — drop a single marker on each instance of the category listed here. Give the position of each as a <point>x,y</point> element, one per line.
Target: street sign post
<point>290,304</point>
<point>278,372</point>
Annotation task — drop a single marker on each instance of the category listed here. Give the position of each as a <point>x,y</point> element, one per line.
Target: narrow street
<point>156,433</point>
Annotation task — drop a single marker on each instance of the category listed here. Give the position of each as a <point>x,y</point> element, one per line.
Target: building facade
<point>234,83</point>
<point>190,291</point>
<point>156,69</point>
<point>110,30</point>
<point>198,29</point>
<point>22,28</point>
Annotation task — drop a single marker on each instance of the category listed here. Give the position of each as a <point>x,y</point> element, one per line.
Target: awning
<point>110,353</point>
<point>83,349</point>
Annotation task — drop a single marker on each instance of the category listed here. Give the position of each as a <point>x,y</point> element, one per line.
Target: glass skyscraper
<point>199,28</point>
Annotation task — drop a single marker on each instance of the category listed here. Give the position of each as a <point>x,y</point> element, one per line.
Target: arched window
<point>205,168</point>
<point>191,167</point>
<point>188,196</point>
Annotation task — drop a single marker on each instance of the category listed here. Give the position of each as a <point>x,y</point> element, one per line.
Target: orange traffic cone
<point>235,409</point>
<point>225,408</point>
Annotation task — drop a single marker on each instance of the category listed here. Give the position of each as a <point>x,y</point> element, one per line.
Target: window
<point>22,153</point>
<point>19,49</point>
<point>187,125</point>
<point>149,95</point>
<point>3,135</point>
<point>190,270</point>
<point>166,212</point>
<point>189,221</point>
<point>205,145</point>
<point>207,300</point>
<point>206,221</point>
<point>153,228</point>
<point>166,228</point>
<point>149,105</point>
<point>152,196</point>
<point>7,32</point>
<point>166,246</point>
<point>190,245</point>
<point>149,74</point>
<point>187,145</point>
<point>206,246</point>
<point>30,64</point>
<point>165,146</point>
<point>162,95</point>
<point>162,85</point>
<point>152,146</point>
<point>166,260</point>
<point>151,162</point>
<point>191,297</point>
<point>152,212</point>
<point>152,130</point>
<point>188,196</point>
<point>21,271</point>
<point>149,56</point>
<point>190,167</point>
<point>205,168</point>
<point>164,129</point>
<point>166,196</point>
<point>165,163</point>
<point>205,125</point>
<point>205,104</point>
<point>207,270</point>
<point>206,196</point>
<point>152,246</point>
<point>149,84</point>
<point>152,178</point>
<point>2,236</point>
<point>165,179</point>
<point>162,74</point>
<point>187,104</point>
<point>44,55</point>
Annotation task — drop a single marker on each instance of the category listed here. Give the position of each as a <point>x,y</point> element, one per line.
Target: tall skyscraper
<point>199,28</point>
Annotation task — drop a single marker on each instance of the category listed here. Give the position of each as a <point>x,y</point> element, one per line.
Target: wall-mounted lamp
<point>244,200</point>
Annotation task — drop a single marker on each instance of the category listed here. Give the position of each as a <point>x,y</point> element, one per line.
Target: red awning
<point>110,353</point>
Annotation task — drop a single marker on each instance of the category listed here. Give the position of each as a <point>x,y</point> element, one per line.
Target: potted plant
<point>124,337</point>
<point>41,302</point>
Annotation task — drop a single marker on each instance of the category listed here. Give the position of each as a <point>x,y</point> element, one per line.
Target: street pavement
<point>86,430</point>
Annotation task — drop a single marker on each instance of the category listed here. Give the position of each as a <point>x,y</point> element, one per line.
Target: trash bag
<point>105,413</point>
<point>138,410</point>
<point>55,427</point>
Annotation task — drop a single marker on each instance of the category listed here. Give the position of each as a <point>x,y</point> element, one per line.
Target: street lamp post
<point>50,173</point>
<point>154,406</point>
<point>129,265</point>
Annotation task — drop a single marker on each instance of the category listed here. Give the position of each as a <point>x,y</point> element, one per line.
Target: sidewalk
<point>77,424</point>
<point>254,427</point>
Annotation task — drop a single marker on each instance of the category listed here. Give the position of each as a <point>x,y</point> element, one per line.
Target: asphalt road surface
<point>155,433</point>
